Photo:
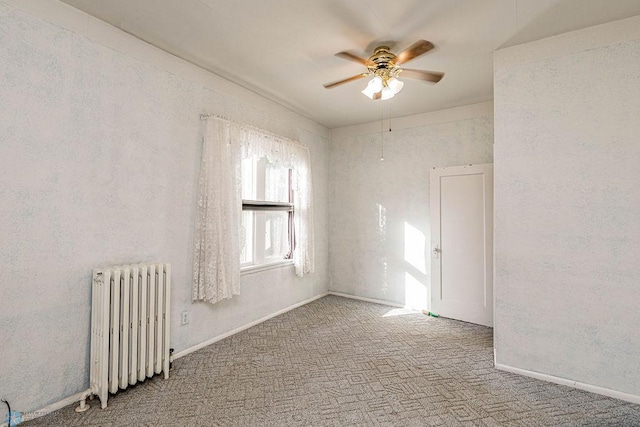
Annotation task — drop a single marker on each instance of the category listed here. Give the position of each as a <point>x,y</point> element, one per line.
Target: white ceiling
<point>283,49</point>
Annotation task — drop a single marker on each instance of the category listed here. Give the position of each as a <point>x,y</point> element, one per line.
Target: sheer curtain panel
<point>216,265</point>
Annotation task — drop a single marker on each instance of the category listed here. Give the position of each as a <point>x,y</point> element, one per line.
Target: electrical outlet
<point>185,318</point>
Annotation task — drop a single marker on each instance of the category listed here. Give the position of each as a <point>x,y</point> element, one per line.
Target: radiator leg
<point>83,402</point>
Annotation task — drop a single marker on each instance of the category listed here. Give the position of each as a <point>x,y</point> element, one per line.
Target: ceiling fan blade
<point>418,48</point>
<point>351,57</point>
<point>339,82</point>
<point>427,76</point>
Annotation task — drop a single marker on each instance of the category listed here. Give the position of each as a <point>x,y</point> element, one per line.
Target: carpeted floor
<point>338,362</point>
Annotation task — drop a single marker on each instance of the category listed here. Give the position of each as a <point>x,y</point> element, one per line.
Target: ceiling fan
<point>384,67</point>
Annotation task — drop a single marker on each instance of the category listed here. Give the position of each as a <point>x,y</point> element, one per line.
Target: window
<point>267,229</point>
<point>267,213</point>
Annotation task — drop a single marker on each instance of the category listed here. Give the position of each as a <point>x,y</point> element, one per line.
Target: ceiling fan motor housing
<point>382,63</point>
<point>381,58</point>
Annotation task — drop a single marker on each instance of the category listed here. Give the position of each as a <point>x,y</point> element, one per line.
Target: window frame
<point>258,262</point>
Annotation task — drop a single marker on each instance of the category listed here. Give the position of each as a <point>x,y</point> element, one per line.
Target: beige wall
<point>100,145</point>
<point>380,210</point>
<point>567,200</point>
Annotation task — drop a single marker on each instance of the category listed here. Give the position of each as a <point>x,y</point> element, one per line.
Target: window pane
<point>249,179</point>
<point>276,183</point>
<point>265,234</point>
<point>276,242</point>
<point>248,222</point>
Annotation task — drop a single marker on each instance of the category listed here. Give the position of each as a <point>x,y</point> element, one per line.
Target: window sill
<point>250,269</point>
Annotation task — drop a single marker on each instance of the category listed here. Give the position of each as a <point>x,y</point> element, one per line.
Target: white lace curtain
<point>216,263</point>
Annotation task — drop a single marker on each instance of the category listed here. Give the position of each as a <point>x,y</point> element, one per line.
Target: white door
<point>462,242</point>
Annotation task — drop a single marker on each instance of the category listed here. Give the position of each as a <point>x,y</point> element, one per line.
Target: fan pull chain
<point>389,113</point>
<point>382,133</point>
<point>382,128</point>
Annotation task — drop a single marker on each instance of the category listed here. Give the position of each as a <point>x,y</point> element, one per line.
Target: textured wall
<point>567,203</point>
<point>380,228</point>
<point>100,157</point>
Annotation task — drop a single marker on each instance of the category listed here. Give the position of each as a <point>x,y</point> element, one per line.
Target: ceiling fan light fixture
<point>376,83</point>
<point>395,85</point>
<point>369,92</point>
<point>374,86</point>
<point>387,93</point>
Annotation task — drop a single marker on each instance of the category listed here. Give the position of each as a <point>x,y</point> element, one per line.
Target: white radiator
<point>129,327</point>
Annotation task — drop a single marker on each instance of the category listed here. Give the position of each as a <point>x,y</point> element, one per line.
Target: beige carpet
<point>338,362</point>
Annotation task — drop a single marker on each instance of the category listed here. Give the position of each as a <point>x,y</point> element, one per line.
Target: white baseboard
<point>242,328</point>
<point>26,416</point>
<point>375,301</point>
<point>570,383</point>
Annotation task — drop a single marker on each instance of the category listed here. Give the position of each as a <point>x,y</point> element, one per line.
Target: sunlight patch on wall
<point>415,293</point>
<point>414,247</point>
<point>382,219</point>
<point>382,237</point>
